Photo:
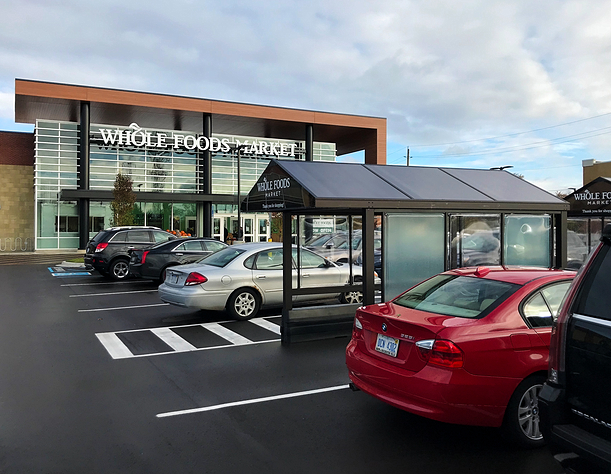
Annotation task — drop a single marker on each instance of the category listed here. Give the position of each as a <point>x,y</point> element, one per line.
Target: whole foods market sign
<point>275,190</point>
<point>137,137</point>
<point>594,199</point>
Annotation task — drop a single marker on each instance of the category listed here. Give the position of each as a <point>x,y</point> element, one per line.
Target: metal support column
<point>309,142</point>
<point>83,174</point>
<point>287,276</point>
<point>367,253</point>
<point>205,178</point>
<point>560,227</point>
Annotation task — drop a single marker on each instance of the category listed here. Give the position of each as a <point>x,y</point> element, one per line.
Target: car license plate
<point>173,277</point>
<point>387,345</point>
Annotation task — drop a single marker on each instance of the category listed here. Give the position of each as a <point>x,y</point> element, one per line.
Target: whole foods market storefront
<point>190,160</point>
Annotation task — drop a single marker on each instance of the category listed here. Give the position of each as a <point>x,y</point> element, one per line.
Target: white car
<point>244,278</point>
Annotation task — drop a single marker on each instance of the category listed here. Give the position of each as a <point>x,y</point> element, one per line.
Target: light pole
<point>239,149</point>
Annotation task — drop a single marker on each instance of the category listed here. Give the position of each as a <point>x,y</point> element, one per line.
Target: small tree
<point>124,200</point>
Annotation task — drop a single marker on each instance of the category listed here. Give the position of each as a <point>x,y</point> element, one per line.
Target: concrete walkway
<point>38,258</point>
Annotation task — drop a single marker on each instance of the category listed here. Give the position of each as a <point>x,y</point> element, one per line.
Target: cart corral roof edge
<point>294,185</point>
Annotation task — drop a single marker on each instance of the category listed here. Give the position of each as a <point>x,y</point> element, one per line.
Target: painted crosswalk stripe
<point>226,334</point>
<point>265,324</point>
<point>114,345</point>
<point>173,340</point>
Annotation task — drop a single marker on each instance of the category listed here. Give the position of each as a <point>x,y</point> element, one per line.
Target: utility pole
<point>407,162</point>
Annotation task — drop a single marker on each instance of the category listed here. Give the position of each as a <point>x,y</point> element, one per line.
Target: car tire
<point>351,297</point>
<point>243,304</point>
<point>119,269</point>
<point>521,424</point>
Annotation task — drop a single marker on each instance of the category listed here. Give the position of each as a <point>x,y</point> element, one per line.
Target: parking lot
<point>102,377</point>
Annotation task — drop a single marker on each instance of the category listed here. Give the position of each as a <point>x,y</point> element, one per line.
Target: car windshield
<point>319,241</point>
<point>462,296</point>
<point>222,257</point>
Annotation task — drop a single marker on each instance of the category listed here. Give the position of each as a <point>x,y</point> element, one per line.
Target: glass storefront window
<point>413,250</point>
<point>475,240</point>
<point>528,240</point>
<point>576,242</point>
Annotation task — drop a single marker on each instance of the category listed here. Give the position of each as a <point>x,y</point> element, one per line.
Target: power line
<point>513,134</point>
<point>530,146</point>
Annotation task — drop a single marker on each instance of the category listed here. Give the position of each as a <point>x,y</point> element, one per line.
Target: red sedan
<point>468,346</point>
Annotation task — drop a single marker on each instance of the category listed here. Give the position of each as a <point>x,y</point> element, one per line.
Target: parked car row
<point>204,273</point>
<point>144,252</point>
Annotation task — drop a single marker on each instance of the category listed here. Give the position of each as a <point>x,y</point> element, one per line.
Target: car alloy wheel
<point>522,415</point>
<point>243,304</point>
<point>352,297</point>
<point>119,269</point>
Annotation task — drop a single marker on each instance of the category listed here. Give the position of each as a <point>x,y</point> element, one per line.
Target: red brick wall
<point>17,148</point>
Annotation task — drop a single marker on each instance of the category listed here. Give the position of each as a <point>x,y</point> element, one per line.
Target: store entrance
<point>255,227</point>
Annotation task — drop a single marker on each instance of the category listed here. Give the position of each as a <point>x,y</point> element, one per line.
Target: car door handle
<point>180,254</point>
<point>305,275</point>
<point>260,277</point>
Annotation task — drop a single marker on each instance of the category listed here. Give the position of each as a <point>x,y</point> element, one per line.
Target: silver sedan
<point>244,278</point>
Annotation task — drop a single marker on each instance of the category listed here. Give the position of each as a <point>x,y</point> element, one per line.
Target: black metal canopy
<point>299,185</point>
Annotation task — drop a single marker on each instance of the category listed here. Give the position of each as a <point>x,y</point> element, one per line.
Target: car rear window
<point>461,296</point>
<point>594,298</point>
<point>222,257</point>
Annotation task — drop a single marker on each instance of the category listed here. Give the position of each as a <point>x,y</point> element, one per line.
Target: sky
<point>472,84</point>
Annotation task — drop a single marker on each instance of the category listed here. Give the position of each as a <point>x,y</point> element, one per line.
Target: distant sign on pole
<point>323,226</point>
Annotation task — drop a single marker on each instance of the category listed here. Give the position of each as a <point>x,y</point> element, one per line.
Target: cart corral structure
<point>427,213</point>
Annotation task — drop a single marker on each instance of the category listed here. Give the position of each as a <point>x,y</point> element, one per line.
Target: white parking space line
<point>253,400</point>
<point>173,340</point>
<point>114,346</point>
<point>114,293</point>
<point>265,324</point>
<point>122,307</point>
<point>109,283</point>
<point>225,333</point>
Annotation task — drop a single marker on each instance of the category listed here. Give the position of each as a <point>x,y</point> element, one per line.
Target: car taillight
<point>144,255</point>
<point>440,352</point>
<point>195,278</point>
<point>101,246</point>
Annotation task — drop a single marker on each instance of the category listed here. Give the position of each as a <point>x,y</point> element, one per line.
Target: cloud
<point>441,72</point>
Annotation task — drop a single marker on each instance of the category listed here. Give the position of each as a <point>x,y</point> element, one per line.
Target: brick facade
<point>16,192</point>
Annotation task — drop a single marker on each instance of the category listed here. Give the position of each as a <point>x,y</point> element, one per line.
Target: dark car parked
<point>574,401</point>
<point>108,251</point>
<point>152,262</point>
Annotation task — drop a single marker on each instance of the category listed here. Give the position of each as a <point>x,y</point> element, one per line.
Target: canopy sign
<point>276,191</point>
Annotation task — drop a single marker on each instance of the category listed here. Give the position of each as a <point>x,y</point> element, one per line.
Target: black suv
<point>575,401</point>
<point>108,251</point>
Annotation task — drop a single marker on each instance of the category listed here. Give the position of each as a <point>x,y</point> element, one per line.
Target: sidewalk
<point>38,258</point>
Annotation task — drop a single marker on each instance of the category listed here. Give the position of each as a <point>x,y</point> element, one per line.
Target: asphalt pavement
<point>102,377</point>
